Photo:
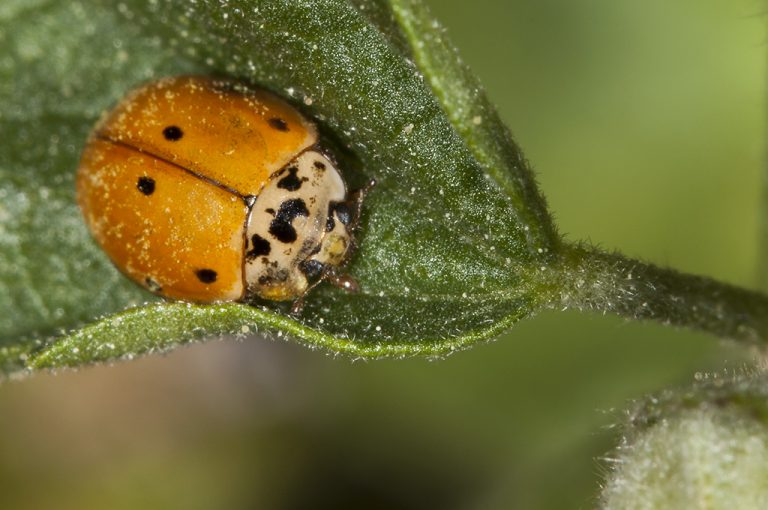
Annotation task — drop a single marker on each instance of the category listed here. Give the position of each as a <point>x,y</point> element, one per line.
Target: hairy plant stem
<point>593,280</point>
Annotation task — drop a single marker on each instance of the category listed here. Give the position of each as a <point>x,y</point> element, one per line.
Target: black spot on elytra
<point>260,247</point>
<point>146,185</point>
<point>206,275</point>
<point>278,123</point>
<point>291,182</point>
<point>173,133</point>
<point>311,268</point>
<point>320,165</point>
<point>152,284</point>
<point>281,227</point>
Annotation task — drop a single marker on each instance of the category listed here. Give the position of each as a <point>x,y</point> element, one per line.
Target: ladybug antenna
<point>356,199</point>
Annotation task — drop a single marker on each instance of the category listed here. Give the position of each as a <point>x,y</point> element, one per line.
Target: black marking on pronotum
<point>206,275</point>
<point>152,284</point>
<point>281,227</point>
<point>173,133</point>
<point>278,123</point>
<point>146,185</point>
<point>291,182</point>
<point>319,165</point>
<point>260,247</point>
<point>269,210</point>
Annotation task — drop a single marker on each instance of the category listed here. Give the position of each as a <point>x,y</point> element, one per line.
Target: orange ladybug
<point>206,190</point>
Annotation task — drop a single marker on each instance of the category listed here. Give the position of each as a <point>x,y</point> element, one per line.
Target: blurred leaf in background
<point>645,126</point>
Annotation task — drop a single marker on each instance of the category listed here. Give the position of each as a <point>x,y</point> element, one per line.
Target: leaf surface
<point>453,238</point>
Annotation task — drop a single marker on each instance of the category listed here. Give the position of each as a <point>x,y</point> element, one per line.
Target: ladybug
<point>206,190</point>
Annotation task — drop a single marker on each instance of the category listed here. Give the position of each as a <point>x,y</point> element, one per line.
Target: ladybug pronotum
<point>206,190</point>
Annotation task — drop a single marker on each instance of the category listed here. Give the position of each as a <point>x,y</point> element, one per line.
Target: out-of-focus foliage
<point>700,447</point>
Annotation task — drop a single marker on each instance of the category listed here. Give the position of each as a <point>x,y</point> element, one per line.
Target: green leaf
<point>454,238</point>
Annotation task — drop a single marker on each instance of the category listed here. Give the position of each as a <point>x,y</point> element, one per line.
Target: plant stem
<point>611,283</point>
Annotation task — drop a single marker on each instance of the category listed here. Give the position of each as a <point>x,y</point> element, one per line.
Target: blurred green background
<point>644,122</point>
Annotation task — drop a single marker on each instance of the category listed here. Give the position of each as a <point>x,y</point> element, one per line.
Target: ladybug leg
<point>332,276</point>
<point>341,280</point>
<point>298,305</point>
